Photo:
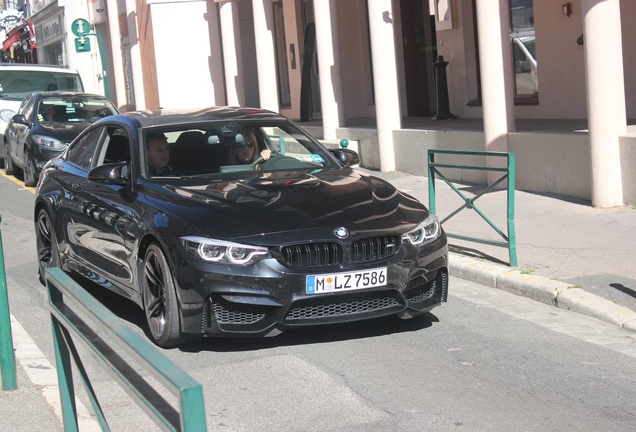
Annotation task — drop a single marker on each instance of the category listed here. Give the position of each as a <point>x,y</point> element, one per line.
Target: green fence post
<point>431,182</point>
<point>469,203</point>
<point>512,240</point>
<point>64,367</point>
<point>7,356</point>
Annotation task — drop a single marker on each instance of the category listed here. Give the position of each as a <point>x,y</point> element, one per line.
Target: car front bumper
<point>272,298</point>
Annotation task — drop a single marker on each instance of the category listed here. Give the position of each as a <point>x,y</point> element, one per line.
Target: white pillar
<point>385,84</point>
<point>606,110</point>
<point>135,55</point>
<point>232,59</point>
<point>329,72</point>
<point>497,91</point>
<point>115,54</point>
<point>265,54</point>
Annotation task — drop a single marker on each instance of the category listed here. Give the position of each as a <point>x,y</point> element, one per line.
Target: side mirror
<point>20,118</point>
<point>112,173</point>
<point>346,156</point>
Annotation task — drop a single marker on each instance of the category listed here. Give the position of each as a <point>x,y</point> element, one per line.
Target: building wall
<point>189,68</point>
<point>357,86</point>
<point>148,59</point>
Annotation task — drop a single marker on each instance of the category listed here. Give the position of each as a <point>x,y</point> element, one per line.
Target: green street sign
<point>80,27</point>
<point>82,44</point>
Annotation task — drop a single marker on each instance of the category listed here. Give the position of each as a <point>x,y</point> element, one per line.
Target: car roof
<point>65,94</point>
<point>37,67</point>
<point>180,116</point>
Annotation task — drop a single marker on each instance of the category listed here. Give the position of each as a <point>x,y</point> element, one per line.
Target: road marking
<point>44,376</point>
<point>18,182</point>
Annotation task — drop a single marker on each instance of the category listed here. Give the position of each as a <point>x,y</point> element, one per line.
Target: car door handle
<point>76,187</point>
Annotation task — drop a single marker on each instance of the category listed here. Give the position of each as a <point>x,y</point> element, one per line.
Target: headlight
<point>6,115</point>
<point>48,143</point>
<point>425,232</point>
<point>223,252</point>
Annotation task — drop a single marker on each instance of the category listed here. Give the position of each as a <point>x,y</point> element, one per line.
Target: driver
<point>246,151</point>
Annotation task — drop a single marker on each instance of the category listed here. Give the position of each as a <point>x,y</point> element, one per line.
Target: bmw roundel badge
<point>341,232</point>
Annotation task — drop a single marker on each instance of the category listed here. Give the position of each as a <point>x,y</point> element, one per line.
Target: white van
<point>19,80</point>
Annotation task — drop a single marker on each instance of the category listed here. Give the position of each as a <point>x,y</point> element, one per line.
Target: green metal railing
<point>7,356</point>
<point>65,298</point>
<point>510,241</point>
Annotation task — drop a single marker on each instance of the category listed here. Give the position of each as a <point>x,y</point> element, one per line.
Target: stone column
<point>265,54</point>
<point>606,110</point>
<point>116,55</point>
<point>385,84</point>
<point>329,72</point>
<point>135,55</point>
<point>497,89</point>
<point>232,59</point>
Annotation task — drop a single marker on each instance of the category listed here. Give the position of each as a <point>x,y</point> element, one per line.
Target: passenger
<point>246,151</point>
<point>158,154</point>
<point>92,113</point>
<point>49,113</point>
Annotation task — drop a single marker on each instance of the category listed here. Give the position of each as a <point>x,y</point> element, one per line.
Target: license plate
<point>335,282</point>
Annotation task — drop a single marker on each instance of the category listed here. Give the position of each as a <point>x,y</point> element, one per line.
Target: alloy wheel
<point>47,249</point>
<point>8,164</point>
<point>160,300</point>
<point>29,174</point>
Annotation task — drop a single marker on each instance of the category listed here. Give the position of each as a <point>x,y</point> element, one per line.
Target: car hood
<point>62,131</point>
<point>293,203</point>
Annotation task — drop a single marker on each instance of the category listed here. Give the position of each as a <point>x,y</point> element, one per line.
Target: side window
<point>116,147</point>
<point>81,153</point>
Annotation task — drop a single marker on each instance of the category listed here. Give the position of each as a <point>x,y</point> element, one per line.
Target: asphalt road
<point>486,360</point>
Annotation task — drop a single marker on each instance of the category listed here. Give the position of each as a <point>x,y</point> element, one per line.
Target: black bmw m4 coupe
<point>235,222</point>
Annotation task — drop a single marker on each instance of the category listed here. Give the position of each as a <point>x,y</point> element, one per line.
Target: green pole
<point>431,183</point>
<point>100,45</point>
<point>7,356</point>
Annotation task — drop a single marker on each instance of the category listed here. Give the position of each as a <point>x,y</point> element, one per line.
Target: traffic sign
<point>80,27</point>
<point>82,44</point>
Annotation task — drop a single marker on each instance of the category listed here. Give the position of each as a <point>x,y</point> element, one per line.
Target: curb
<point>541,289</point>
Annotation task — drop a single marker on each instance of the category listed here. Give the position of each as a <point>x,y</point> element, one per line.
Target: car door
<point>17,133</point>
<point>106,219</point>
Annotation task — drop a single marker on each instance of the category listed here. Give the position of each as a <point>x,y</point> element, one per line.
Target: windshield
<point>18,84</point>
<point>73,109</point>
<point>233,149</point>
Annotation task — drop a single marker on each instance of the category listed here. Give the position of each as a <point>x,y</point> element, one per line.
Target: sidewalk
<point>568,253</point>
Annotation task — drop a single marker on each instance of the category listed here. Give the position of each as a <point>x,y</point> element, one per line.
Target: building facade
<point>366,70</point>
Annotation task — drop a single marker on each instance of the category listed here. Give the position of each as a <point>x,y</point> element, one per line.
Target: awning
<point>13,38</point>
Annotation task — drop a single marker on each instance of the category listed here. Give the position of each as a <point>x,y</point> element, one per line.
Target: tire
<point>48,254</point>
<point>160,300</point>
<point>29,174</point>
<point>8,163</point>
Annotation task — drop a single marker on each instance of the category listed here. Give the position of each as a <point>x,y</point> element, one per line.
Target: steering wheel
<point>257,161</point>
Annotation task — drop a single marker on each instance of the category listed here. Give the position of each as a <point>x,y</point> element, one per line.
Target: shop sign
<point>49,30</point>
<point>10,19</point>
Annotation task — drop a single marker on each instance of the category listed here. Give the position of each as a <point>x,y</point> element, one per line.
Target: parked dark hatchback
<point>211,246</point>
<point>45,124</point>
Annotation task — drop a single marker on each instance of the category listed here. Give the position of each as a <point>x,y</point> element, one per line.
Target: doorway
<point>420,52</point>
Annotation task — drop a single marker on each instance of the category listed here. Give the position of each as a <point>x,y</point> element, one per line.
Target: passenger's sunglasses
<point>250,144</point>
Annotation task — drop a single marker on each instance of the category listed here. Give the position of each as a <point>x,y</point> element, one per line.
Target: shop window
<point>522,39</point>
<point>524,50</point>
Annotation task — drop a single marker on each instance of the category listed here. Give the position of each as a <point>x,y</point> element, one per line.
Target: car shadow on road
<point>316,334</point>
